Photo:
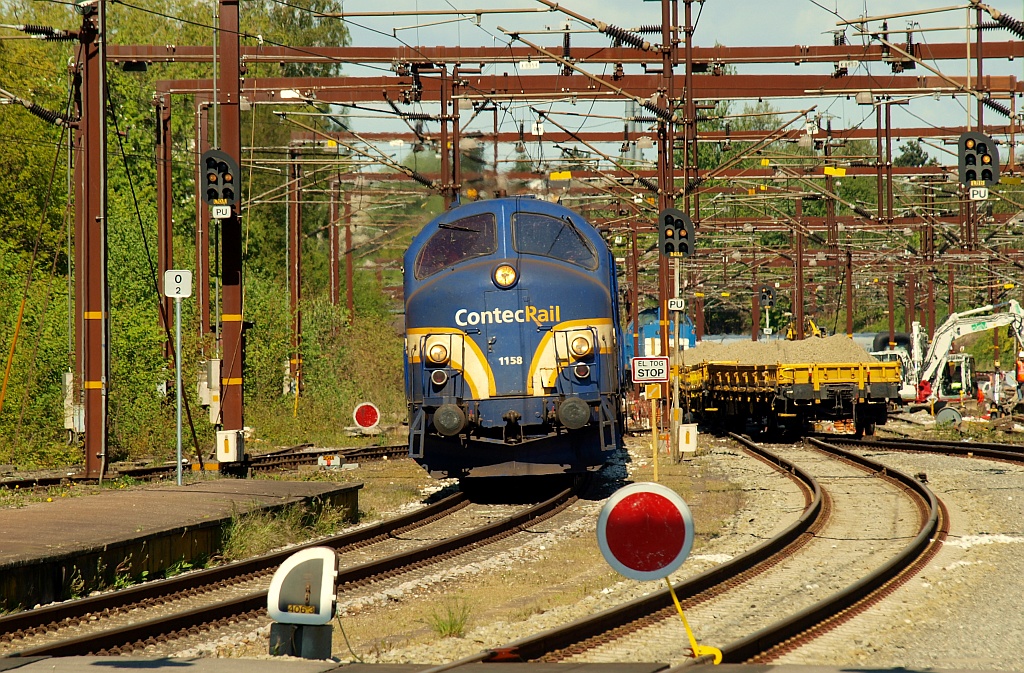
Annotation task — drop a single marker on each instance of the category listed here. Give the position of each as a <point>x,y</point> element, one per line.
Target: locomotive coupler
<point>513,431</point>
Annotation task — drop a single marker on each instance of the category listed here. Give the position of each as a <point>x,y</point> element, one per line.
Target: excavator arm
<point>969,322</point>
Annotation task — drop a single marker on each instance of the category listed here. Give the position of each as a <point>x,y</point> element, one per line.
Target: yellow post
<point>654,435</point>
<point>698,650</point>
<point>653,392</point>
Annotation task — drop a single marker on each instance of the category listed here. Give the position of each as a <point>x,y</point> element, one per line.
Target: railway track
<point>643,617</point>
<point>995,450</point>
<point>289,458</point>
<point>649,626</point>
<point>200,602</point>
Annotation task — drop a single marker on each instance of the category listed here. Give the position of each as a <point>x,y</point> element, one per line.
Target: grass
<point>388,485</point>
<point>182,566</point>
<point>20,497</point>
<point>258,532</point>
<point>449,620</point>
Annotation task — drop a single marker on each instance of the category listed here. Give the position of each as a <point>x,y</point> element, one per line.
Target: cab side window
<point>536,234</point>
<point>453,242</point>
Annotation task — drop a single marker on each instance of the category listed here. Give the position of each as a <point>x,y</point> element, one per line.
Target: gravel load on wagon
<point>836,348</point>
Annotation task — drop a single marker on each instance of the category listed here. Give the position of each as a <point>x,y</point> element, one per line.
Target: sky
<point>727,22</point>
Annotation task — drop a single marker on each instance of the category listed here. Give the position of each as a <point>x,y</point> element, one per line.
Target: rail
<point>132,636</point>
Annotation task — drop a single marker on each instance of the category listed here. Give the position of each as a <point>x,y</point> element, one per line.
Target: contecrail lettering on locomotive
<point>464,317</point>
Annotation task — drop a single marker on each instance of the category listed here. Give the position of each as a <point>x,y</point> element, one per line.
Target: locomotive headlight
<point>505,276</point>
<point>580,346</point>
<point>437,354</point>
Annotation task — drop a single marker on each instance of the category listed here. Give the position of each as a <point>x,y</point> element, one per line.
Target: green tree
<point>913,154</point>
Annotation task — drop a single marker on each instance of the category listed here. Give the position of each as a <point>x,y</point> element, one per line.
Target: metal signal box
<point>230,446</point>
<point>209,389</point>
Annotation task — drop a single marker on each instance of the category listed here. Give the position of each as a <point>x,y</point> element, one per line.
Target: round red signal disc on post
<point>645,531</point>
<point>366,415</point>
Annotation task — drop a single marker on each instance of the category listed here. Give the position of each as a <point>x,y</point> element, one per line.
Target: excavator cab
<point>957,379</point>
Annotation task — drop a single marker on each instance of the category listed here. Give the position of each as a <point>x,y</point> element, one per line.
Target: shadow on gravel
<point>517,490</point>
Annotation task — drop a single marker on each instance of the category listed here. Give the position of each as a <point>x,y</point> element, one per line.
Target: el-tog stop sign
<point>645,531</point>
<point>366,415</point>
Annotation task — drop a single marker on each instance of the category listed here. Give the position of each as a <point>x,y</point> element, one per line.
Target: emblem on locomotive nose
<point>464,317</point>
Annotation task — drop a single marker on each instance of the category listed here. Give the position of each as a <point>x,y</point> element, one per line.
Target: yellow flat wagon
<point>789,397</point>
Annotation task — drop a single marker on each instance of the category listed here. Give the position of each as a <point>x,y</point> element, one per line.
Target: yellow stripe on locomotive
<point>465,355</point>
<point>546,365</point>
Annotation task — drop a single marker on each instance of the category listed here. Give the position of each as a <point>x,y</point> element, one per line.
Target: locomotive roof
<point>504,208</point>
<point>508,205</point>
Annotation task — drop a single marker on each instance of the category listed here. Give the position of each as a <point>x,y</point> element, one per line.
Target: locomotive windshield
<point>536,234</point>
<point>472,236</point>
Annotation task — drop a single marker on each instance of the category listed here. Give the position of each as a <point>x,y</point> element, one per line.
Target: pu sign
<point>650,370</point>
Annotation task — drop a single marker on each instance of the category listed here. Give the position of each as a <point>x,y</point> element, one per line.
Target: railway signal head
<point>767,296</point>
<point>977,160</point>
<point>675,233</point>
<point>220,178</point>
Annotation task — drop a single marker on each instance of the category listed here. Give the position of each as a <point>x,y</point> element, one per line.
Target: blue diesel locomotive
<point>512,342</point>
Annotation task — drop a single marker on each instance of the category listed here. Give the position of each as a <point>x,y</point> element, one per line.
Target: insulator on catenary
<point>44,114</point>
<point>647,183</point>
<point>998,107</point>
<point>864,212</point>
<point>1011,24</point>
<point>694,184</point>
<point>45,32</point>
<point>624,36</point>
<point>660,113</point>
<point>425,181</point>
<point>649,29</point>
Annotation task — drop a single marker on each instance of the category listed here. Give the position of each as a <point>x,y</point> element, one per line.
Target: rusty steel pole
<point>831,226</point>
<point>295,266</point>
<point>891,291</point>
<point>445,139</point>
<point>164,224</point>
<point>699,315</point>
<point>879,164</point>
<point>755,309</point>
<point>931,304</point>
<point>979,86</point>
<point>950,294</point>
<point>634,292</point>
<point>76,70</point>
<point>849,294</point>
<point>91,241</point>
<point>232,335</point>
<point>350,301</point>
<point>333,219</point>
<point>666,159</point>
<point>202,285</point>
<point>456,139</point>
<point>911,308</point>
<point>888,164</point>
<point>798,276</point>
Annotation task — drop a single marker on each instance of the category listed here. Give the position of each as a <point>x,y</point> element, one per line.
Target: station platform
<point>293,665</point>
<point>49,550</point>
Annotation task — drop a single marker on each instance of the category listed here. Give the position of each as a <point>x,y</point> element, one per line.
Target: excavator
<point>810,329</point>
<point>942,375</point>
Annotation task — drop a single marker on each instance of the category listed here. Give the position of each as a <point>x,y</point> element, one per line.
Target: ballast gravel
<point>836,348</point>
<point>963,611</point>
